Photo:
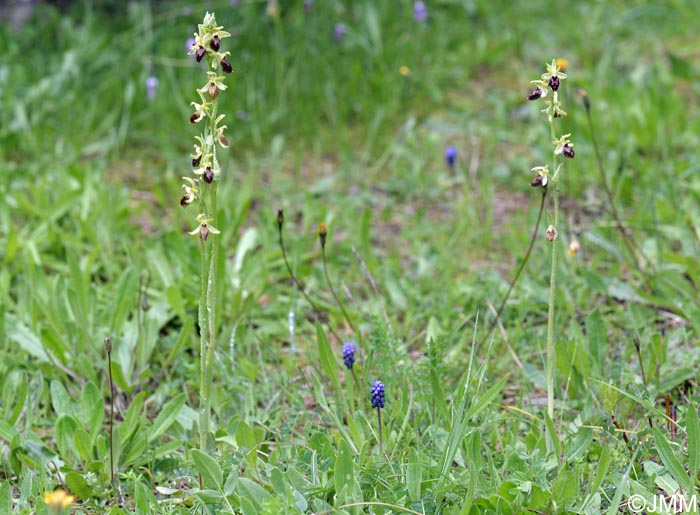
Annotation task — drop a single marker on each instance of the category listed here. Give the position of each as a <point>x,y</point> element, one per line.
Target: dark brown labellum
<point>200,53</point>
<point>534,95</point>
<point>185,200</point>
<point>215,43</point>
<point>223,140</point>
<point>208,175</point>
<point>226,66</point>
<point>537,181</point>
<point>554,83</point>
<point>196,161</point>
<point>568,151</point>
<point>204,232</point>
<point>194,118</point>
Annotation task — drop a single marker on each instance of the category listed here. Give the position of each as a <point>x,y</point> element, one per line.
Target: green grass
<point>94,244</point>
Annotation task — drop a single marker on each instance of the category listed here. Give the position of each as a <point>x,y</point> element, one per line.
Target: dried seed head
<point>554,83</point>
<point>200,53</point>
<point>208,175</point>
<point>215,43</point>
<point>551,233</point>
<point>226,66</point>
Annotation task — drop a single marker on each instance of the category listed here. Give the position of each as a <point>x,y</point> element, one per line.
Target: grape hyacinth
<point>420,11</point>
<point>377,395</point>
<point>339,32</point>
<point>349,354</point>
<point>151,87</point>
<point>451,156</point>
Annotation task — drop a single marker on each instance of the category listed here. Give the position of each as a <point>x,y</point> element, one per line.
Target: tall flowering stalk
<point>550,81</point>
<point>201,187</point>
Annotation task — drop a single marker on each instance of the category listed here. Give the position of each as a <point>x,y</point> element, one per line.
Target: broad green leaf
<point>83,444</point>
<point>77,484</point>
<point>25,338</point>
<point>212,475</point>
<point>166,417</point>
<point>671,462</point>
<point>692,429</point>
<point>252,492</point>
<point>344,471</point>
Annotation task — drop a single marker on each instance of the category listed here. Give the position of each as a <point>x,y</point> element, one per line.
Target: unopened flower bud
<point>322,233</point>
<point>574,247</point>
<point>280,219</point>
<point>208,175</point>
<point>554,83</point>
<point>551,233</point>
<point>108,345</point>
<point>215,43</point>
<point>200,53</point>
<point>226,66</point>
<point>568,151</point>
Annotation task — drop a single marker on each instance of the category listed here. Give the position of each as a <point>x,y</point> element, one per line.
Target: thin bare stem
<point>533,238</point>
<point>337,300</point>
<point>633,249</point>
<point>108,349</point>
<point>293,276</point>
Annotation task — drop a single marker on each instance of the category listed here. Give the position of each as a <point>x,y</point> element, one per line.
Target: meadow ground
<point>340,112</point>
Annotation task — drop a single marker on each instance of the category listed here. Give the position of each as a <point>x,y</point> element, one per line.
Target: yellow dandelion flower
<point>58,500</point>
<point>404,70</point>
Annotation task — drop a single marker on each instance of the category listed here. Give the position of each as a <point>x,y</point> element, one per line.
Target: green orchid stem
<point>550,349</point>
<point>203,393</point>
<point>379,422</point>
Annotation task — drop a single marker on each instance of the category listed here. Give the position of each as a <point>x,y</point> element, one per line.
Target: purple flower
<point>450,156</point>
<point>308,6</point>
<point>339,32</point>
<point>151,86</point>
<point>420,11</point>
<point>349,354</point>
<point>377,395</point>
